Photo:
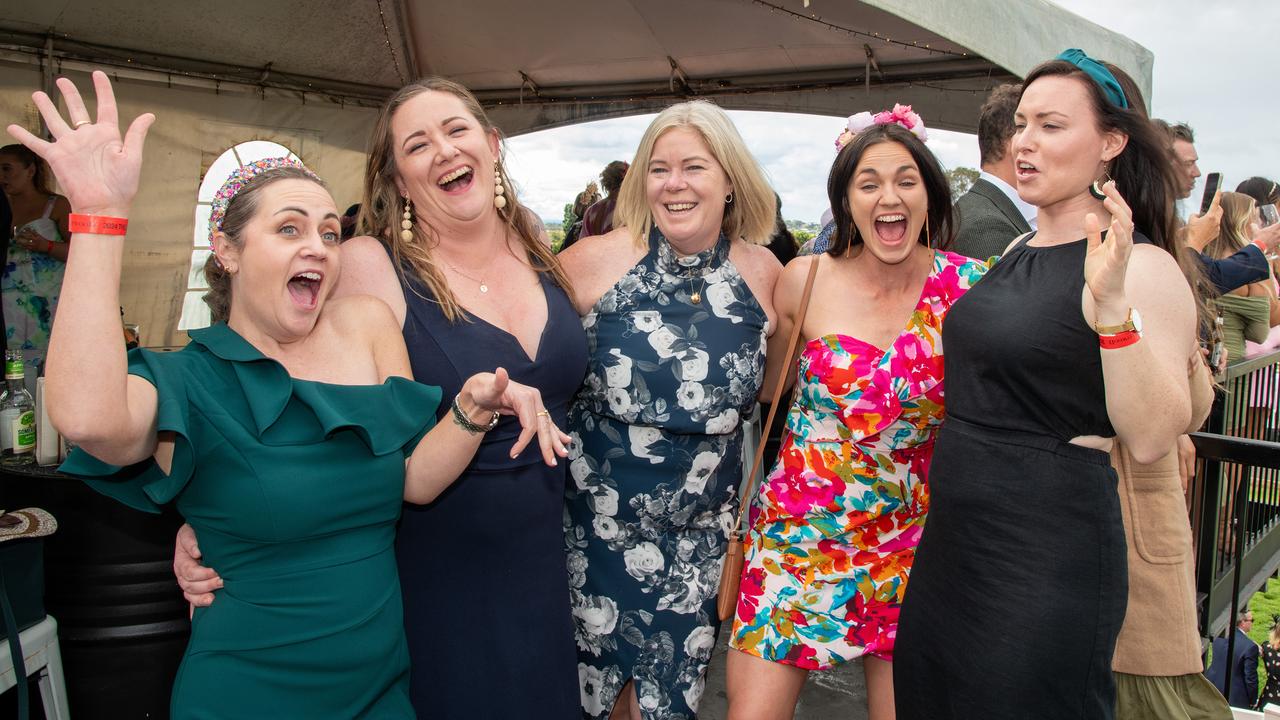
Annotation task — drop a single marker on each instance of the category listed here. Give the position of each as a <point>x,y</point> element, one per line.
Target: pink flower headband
<point>901,115</point>
<point>239,178</point>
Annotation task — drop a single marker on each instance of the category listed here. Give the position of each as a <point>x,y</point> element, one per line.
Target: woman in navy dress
<point>676,305</point>
<point>462,265</point>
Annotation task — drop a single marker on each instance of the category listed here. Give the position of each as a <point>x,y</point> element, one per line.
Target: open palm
<point>98,171</point>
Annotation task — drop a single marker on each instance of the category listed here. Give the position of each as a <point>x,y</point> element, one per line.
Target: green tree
<point>961,179</point>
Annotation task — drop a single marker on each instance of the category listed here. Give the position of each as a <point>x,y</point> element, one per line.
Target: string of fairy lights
<point>386,36</point>
<point>853,32</point>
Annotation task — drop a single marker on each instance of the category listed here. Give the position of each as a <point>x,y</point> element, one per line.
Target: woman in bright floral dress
<point>835,524</point>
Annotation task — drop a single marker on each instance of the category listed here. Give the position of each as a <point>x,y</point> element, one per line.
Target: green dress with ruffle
<point>294,489</point>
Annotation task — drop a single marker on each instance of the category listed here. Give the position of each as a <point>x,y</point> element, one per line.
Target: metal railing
<point>1234,498</point>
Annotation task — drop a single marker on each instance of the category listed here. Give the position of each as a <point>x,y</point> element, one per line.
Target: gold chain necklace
<point>484,287</point>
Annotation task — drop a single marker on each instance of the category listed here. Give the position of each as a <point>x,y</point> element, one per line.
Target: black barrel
<point>122,620</point>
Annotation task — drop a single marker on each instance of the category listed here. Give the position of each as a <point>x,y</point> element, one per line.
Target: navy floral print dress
<point>676,352</point>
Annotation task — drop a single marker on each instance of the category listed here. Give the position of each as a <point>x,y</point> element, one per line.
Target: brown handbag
<point>735,555</point>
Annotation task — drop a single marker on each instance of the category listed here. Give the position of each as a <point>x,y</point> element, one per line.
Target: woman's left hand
<point>495,392</point>
<point>1105,263</point>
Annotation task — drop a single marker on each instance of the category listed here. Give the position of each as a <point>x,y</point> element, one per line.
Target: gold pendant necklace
<point>484,287</point>
<point>696,295</point>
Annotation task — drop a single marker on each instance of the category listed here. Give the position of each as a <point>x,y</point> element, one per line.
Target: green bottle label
<point>24,432</point>
<point>13,370</point>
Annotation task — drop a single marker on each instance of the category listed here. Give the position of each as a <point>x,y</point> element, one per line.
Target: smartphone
<point>1269,215</point>
<point>1211,185</point>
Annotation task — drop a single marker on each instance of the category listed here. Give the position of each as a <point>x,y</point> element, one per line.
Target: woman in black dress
<point>1068,343</point>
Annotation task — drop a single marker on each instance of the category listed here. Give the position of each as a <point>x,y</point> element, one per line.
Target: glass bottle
<point>17,414</point>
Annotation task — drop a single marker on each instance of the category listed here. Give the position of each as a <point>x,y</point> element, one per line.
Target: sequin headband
<point>901,115</point>
<point>1098,73</point>
<point>242,176</point>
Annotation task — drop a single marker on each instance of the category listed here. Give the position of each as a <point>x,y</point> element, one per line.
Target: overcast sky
<point>1217,67</point>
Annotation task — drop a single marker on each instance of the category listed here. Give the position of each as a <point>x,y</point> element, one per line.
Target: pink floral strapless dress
<point>834,526</point>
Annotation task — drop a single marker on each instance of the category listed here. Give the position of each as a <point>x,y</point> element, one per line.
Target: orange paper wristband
<point>97,224</point>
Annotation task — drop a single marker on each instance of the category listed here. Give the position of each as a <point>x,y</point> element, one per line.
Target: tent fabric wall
<point>193,127</point>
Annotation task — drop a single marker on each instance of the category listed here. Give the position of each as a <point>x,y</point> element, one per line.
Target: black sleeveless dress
<point>1020,582</point>
<point>482,568</point>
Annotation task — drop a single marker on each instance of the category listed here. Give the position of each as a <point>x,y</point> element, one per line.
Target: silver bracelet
<point>462,420</point>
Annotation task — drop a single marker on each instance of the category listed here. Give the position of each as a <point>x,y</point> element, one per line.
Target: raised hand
<point>1105,263</point>
<point>98,171</point>
<point>1269,235</point>
<point>1202,229</point>
<point>495,392</point>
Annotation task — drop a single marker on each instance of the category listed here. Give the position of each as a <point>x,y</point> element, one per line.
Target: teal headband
<point>1098,73</point>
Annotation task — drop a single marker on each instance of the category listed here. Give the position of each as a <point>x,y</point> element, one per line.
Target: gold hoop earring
<point>406,223</point>
<point>499,192</point>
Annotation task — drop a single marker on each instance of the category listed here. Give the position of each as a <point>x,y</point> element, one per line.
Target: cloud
<point>1215,68</point>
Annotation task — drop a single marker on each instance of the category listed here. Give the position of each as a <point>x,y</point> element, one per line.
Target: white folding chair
<point>41,655</point>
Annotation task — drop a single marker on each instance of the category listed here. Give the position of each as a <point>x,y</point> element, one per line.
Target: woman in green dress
<point>287,434</point>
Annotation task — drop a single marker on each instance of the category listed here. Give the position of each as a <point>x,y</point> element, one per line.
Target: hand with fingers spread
<point>1106,262</point>
<point>97,169</point>
<point>495,392</point>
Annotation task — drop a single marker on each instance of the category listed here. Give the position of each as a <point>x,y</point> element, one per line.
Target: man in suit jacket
<point>991,214</point>
<point>1244,665</point>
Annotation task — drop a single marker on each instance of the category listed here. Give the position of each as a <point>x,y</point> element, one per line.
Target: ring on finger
<point>544,413</point>
<point>80,123</point>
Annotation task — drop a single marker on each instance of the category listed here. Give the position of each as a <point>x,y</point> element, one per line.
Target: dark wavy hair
<point>938,232</point>
<point>29,159</point>
<point>1262,190</point>
<point>1144,172</point>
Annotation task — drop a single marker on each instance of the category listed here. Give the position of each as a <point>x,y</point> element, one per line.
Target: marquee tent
<point>308,74</point>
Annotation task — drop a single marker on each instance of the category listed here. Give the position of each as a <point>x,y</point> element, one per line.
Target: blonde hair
<point>381,207</point>
<point>1275,636</point>
<point>752,213</point>
<point>1233,231</point>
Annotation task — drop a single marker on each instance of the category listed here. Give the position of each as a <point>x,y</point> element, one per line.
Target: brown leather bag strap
<point>748,491</point>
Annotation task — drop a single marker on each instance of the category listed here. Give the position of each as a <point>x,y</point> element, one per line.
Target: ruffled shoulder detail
<point>391,417</point>
<point>223,373</point>
<point>286,411</point>
<point>866,389</point>
<point>143,485</point>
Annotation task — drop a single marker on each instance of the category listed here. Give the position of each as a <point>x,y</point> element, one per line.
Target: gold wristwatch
<point>1132,323</point>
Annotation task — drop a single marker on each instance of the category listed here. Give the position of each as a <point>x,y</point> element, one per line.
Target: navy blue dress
<point>486,606</point>
<point>677,357</point>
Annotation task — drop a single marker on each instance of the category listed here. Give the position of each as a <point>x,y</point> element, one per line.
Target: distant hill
<point>811,228</point>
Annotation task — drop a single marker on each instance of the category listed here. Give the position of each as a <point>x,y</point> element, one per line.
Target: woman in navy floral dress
<point>676,307</point>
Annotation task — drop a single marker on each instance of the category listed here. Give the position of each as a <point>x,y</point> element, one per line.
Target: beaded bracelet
<point>460,417</point>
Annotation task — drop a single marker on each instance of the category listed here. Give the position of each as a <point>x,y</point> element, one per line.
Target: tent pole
<point>46,73</point>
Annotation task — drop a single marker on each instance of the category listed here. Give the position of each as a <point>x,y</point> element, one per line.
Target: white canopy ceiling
<point>552,62</point>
